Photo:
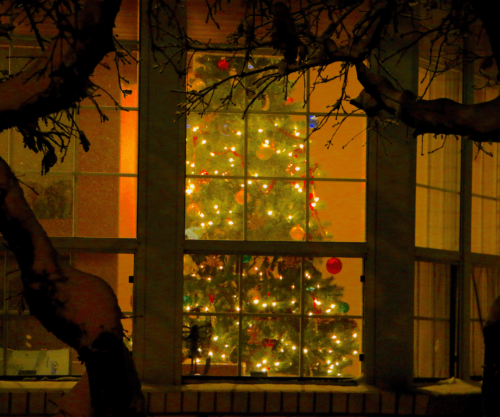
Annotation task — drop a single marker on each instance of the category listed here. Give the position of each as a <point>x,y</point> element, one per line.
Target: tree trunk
<point>78,308</point>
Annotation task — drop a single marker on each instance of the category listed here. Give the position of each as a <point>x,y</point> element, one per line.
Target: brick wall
<point>271,401</point>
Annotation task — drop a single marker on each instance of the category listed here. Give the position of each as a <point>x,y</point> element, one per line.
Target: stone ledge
<point>454,398</point>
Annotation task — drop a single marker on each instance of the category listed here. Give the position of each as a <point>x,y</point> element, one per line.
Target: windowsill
<point>449,397</point>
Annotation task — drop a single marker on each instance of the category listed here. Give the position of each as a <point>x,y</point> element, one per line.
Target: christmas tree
<point>274,315</point>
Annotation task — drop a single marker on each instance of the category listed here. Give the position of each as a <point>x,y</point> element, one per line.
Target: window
<point>90,195</point>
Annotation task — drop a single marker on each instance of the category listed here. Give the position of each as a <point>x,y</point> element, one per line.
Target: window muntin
<point>433,321</point>
<point>273,315</point>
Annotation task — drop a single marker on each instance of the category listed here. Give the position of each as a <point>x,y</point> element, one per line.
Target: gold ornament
<point>197,85</point>
<point>192,209</point>
<point>189,265</point>
<point>240,197</point>
<point>297,233</point>
<point>264,152</point>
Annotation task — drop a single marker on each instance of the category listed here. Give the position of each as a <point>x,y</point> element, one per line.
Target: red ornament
<point>223,65</point>
<point>334,265</point>
<point>203,181</point>
<point>211,297</point>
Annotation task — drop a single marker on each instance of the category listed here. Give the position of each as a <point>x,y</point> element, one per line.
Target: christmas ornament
<point>240,197</point>
<point>203,181</point>
<point>225,129</point>
<point>223,65</point>
<point>264,152</point>
<point>192,209</point>
<point>194,232</point>
<point>264,99</point>
<point>334,265</point>
<point>343,307</point>
<point>313,122</point>
<point>211,297</point>
<point>247,258</point>
<point>189,265</point>
<point>198,85</point>
<point>254,332</point>
<point>187,300</point>
<point>297,233</point>
<point>212,261</point>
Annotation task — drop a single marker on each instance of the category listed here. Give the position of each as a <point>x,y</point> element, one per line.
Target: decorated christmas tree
<point>274,315</point>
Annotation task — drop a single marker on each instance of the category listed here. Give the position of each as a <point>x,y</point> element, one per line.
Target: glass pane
<point>432,320</point>
<point>32,350</point>
<point>215,144</point>
<point>211,283</point>
<point>486,200</point>
<point>438,174</point>
<point>113,144</point>
<point>476,348</point>
<point>346,156</point>
<point>332,347</point>
<point>214,209</point>
<point>432,349</point>
<point>51,199</point>
<point>271,284</point>
<point>484,289</point>
<point>210,346</point>
<point>276,146</point>
<point>24,159</point>
<point>326,93</point>
<point>337,211</point>
<point>432,290</point>
<point>275,210</point>
<point>271,347</point>
<point>333,286</point>
<point>106,206</point>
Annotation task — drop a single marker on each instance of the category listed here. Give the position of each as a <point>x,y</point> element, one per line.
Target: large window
<point>85,195</point>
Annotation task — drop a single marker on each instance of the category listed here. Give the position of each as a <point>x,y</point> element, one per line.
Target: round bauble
<point>197,85</point>
<point>193,209</point>
<point>343,307</point>
<point>297,233</point>
<point>204,180</point>
<point>240,197</point>
<point>187,300</point>
<point>264,152</point>
<point>334,265</point>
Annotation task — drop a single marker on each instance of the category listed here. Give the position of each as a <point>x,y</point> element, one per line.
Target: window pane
<point>210,337</point>
<point>324,95</point>
<point>486,200</point>
<point>438,174</point>
<point>432,320</point>
<point>106,206</point>
<point>476,348</point>
<point>280,315</point>
<point>214,208</point>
